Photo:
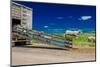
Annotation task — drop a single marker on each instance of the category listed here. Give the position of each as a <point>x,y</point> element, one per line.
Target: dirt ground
<point>25,56</point>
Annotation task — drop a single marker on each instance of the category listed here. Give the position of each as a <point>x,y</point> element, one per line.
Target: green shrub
<point>69,37</point>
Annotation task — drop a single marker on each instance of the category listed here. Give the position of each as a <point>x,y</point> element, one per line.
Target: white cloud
<point>45,26</point>
<point>85,17</point>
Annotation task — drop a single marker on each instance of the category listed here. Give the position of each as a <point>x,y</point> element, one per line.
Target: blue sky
<point>57,18</point>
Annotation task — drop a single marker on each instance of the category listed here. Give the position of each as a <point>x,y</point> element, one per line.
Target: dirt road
<point>24,55</point>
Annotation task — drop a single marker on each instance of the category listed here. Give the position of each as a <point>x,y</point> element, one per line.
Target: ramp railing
<point>41,37</point>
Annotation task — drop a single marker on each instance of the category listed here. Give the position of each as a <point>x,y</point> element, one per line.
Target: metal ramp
<point>41,37</point>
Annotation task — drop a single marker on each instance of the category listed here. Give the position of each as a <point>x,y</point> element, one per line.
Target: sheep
<point>74,33</point>
<point>91,39</point>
